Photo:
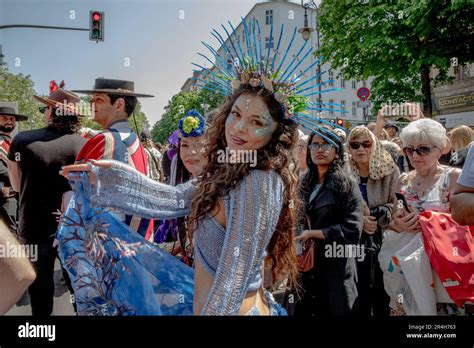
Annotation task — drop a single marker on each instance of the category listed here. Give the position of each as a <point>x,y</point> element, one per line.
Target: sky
<point>151,42</point>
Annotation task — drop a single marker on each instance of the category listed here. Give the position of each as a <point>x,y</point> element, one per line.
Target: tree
<point>19,88</point>
<point>177,108</point>
<point>139,120</point>
<point>398,43</point>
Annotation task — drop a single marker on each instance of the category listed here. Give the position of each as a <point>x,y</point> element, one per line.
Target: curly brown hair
<point>220,178</point>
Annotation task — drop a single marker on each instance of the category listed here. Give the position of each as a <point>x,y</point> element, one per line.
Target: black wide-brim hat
<point>117,87</point>
<point>9,111</point>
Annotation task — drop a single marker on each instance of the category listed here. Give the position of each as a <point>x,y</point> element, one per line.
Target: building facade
<point>453,104</point>
<point>291,15</point>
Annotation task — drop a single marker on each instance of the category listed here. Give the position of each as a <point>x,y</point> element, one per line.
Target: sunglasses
<point>42,109</point>
<point>422,150</point>
<point>355,145</point>
<point>317,146</point>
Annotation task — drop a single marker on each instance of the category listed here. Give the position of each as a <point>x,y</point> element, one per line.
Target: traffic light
<point>340,122</point>
<point>96,26</point>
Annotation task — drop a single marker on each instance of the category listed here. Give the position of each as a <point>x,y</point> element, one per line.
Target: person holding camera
<point>377,176</point>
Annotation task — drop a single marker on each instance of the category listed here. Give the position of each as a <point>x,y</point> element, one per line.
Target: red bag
<point>450,248</point>
<point>305,261</point>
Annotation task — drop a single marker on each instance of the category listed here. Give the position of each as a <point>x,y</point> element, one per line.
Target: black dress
<point>330,287</point>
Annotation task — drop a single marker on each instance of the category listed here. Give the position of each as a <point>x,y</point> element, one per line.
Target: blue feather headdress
<point>251,67</point>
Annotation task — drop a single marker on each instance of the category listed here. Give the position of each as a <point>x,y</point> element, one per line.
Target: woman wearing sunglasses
<point>427,187</point>
<point>377,176</point>
<point>333,205</point>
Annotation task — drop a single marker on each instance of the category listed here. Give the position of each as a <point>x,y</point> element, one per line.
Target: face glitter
<point>263,132</point>
<point>266,116</point>
<point>247,103</point>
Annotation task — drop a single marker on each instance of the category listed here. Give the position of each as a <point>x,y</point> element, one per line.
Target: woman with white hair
<point>429,185</point>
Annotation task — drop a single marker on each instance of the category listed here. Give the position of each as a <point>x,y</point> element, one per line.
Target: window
<point>354,84</point>
<point>354,108</point>
<point>343,105</point>
<point>229,64</point>
<point>269,42</point>
<point>364,83</point>
<point>331,78</point>
<point>331,107</point>
<point>268,17</point>
<point>343,82</point>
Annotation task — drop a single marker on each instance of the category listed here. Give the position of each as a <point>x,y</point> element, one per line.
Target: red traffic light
<point>96,25</point>
<point>340,122</point>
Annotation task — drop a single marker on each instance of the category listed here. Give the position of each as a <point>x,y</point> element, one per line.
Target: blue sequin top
<point>234,254</point>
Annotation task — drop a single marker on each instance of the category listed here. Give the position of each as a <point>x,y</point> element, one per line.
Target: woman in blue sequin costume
<point>241,209</point>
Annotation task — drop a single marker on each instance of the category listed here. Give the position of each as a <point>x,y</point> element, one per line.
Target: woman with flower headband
<point>190,162</point>
<point>242,217</point>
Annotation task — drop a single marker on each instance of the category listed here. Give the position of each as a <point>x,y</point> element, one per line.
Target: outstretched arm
<point>253,213</point>
<point>119,186</point>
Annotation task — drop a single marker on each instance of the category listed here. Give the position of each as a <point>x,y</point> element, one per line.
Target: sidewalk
<point>62,304</point>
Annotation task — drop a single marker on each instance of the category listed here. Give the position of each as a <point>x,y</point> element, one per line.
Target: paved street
<point>62,305</point>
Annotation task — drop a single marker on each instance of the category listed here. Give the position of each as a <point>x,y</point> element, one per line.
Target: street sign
<point>364,104</point>
<point>363,93</point>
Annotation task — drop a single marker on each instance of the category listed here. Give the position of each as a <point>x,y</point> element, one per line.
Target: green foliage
<point>297,103</point>
<point>397,42</point>
<point>138,120</point>
<point>177,108</point>
<point>19,88</point>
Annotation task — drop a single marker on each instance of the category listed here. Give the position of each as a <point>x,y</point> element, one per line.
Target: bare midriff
<point>203,280</point>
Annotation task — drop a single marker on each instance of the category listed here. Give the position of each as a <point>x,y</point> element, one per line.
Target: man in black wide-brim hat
<point>113,102</point>
<point>8,202</point>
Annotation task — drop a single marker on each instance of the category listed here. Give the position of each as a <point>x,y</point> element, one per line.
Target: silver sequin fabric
<point>234,254</point>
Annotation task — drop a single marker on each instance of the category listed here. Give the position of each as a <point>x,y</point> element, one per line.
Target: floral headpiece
<point>192,125</point>
<point>250,65</point>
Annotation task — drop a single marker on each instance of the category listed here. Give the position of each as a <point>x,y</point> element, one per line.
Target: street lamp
<point>306,33</point>
<point>306,30</point>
